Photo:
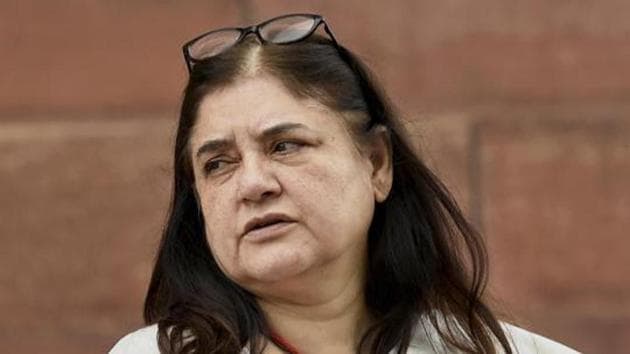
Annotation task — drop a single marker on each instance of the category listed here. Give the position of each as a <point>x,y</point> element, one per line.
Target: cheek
<point>219,225</point>
<point>217,205</point>
<point>336,200</point>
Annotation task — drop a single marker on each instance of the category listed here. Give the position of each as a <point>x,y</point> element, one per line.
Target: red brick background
<point>521,106</point>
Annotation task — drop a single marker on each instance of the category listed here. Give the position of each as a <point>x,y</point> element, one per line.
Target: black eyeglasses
<point>284,29</point>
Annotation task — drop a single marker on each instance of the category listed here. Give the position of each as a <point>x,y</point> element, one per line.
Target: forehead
<point>255,103</point>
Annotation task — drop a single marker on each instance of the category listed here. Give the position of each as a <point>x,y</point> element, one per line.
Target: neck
<point>335,326</point>
<point>331,318</point>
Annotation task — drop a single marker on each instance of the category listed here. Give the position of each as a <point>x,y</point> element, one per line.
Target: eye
<point>214,166</point>
<point>284,147</point>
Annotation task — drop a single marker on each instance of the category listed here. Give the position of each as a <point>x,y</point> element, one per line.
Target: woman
<point>302,221</point>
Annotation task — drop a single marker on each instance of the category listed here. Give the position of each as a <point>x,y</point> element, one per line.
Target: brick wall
<point>522,107</point>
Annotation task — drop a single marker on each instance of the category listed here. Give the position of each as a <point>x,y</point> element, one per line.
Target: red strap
<point>283,343</point>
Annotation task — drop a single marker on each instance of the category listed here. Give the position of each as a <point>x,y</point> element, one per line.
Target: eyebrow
<point>219,144</point>
<point>212,145</point>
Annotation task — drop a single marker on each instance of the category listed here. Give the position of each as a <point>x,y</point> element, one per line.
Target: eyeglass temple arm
<point>187,59</point>
<point>329,31</point>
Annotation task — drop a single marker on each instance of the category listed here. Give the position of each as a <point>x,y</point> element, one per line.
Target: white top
<point>144,341</point>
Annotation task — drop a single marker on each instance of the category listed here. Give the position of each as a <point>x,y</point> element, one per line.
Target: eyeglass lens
<point>213,43</point>
<point>287,29</point>
<point>282,30</point>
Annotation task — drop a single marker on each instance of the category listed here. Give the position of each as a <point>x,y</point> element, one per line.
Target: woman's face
<point>283,188</point>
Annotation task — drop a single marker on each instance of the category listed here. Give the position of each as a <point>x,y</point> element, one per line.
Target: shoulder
<point>426,340</point>
<point>142,341</point>
<point>527,342</point>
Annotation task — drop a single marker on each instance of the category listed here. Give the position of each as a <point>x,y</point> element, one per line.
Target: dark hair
<point>426,263</point>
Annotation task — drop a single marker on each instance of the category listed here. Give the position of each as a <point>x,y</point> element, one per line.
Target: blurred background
<point>521,106</point>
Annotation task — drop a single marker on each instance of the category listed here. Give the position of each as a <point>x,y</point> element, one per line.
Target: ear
<point>381,159</point>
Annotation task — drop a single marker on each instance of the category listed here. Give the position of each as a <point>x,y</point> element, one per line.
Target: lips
<point>266,221</point>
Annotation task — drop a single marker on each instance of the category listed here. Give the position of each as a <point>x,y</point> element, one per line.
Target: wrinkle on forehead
<point>351,122</point>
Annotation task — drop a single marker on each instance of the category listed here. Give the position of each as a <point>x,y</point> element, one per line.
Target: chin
<point>278,269</point>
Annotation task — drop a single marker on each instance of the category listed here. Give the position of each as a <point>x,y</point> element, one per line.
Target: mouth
<point>266,223</point>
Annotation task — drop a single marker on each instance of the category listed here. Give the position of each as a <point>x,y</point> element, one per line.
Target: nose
<point>257,181</point>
